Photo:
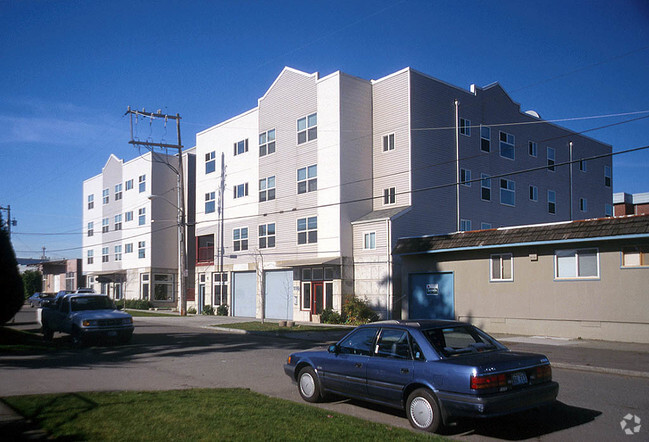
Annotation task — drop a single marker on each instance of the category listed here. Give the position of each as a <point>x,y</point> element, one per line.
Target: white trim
<point>511,267</point>
<point>370,232</point>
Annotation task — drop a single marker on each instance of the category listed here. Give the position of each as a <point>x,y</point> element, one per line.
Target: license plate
<point>519,378</point>
<point>114,333</point>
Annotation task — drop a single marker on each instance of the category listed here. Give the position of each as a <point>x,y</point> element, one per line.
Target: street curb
<point>259,333</point>
<point>602,370</point>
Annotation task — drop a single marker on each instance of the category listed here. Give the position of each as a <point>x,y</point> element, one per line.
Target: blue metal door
<point>431,296</point>
<point>244,294</point>
<point>279,294</point>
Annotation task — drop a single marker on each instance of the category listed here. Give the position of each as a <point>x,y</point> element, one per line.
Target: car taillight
<point>489,381</point>
<point>544,373</point>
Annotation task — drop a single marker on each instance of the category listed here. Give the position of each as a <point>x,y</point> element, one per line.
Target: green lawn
<point>135,312</point>
<point>273,326</point>
<point>16,341</point>
<point>202,414</point>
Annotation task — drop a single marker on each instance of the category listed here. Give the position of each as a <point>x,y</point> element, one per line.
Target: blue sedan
<point>436,371</point>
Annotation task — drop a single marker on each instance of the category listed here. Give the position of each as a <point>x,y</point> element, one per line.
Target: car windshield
<point>464,339</point>
<point>91,303</point>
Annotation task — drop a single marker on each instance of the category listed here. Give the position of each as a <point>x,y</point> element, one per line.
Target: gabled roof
<point>286,69</point>
<point>564,232</point>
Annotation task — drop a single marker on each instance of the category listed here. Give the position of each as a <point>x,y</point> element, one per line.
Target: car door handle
<point>405,371</point>
<point>358,365</point>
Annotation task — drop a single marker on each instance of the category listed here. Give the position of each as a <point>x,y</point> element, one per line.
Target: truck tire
<point>77,338</point>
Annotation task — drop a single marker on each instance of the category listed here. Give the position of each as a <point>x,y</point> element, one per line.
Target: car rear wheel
<point>308,386</point>
<point>423,411</point>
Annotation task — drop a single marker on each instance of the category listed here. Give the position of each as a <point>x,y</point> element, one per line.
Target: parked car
<point>437,371</point>
<point>86,316</point>
<point>40,299</point>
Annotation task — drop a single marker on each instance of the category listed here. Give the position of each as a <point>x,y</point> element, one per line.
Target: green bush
<point>208,310</point>
<point>137,304</point>
<point>329,316</point>
<point>357,311</point>
<point>222,310</point>
<point>191,311</point>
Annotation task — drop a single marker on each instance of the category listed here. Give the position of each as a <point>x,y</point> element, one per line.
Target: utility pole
<point>182,253</point>
<point>10,222</point>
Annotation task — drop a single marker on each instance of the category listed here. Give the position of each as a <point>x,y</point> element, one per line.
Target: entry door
<point>431,296</point>
<point>317,297</point>
<point>201,297</point>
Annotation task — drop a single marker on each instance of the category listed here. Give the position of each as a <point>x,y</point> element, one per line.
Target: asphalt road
<point>166,354</point>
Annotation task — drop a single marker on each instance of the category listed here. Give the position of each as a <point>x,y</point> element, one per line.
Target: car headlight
<point>88,323</point>
<point>127,321</point>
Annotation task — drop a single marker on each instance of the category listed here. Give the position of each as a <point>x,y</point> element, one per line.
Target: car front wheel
<point>423,411</point>
<point>308,386</point>
<point>48,334</point>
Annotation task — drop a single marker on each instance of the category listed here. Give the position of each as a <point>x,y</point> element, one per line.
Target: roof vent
<point>533,113</point>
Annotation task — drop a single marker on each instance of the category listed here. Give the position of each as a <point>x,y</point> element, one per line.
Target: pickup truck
<point>86,316</point>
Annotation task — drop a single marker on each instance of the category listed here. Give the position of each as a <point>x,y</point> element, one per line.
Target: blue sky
<point>70,69</point>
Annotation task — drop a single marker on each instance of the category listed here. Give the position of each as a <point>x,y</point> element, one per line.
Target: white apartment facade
<point>325,174</point>
<point>130,240</point>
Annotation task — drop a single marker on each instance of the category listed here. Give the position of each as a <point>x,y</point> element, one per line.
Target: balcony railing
<point>205,255</point>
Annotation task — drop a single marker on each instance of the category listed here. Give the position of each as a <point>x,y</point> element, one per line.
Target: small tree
<point>33,282</point>
<point>11,294</point>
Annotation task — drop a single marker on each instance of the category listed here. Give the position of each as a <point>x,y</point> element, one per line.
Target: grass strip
<point>134,313</point>
<point>17,341</point>
<point>199,414</point>
<point>275,328</point>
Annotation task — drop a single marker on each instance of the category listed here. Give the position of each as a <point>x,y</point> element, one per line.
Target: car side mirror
<point>333,349</point>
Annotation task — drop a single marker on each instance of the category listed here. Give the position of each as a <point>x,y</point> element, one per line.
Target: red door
<point>317,297</point>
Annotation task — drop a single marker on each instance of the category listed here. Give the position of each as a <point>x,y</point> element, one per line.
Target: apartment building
<point>321,178</point>
<point>130,220</point>
<point>631,204</point>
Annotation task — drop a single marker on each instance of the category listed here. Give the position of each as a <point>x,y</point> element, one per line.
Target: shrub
<point>329,316</point>
<point>191,311</point>
<point>358,311</point>
<point>208,310</point>
<point>137,304</point>
<point>222,310</point>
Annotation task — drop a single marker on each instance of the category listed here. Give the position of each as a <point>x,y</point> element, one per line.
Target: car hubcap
<point>307,385</point>
<point>421,412</point>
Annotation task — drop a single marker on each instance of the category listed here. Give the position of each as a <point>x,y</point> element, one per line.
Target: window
<point>129,184</point>
<point>552,201</point>
<point>485,138</point>
<point>465,127</point>
<point>465,225</point>
<point>388,142</point>
<point>583,263</point>
<point>118,222</point>
<point>240,239</point>
<point>501,267</point>
<point>306,295</point>
<point>240,190</point>
<point>210,162</point>
<point>465,177</point>
<point>104,254</point>
<point>307,179</point>
<point>91,228</point>
<point>141,216</point>
<point>583,204</point>
<point>163,287</point>
<point>118,192</point>
<point>128,248</point>
<point>635,257</point>
<point>551,159</point>
<point>485,186</point>
<point>582,165</point>
<point>141,249</point>
<point>104,225</point>
<point>393,344</point>
<point>507,192</point>
<point>267,143</point>
<point>307,230</point>
<point>210,202</point>
<point>532,148</point>
<point>534,193</point>
<point>361,342</point>
<point>128,216</point>
<point>369,241</point>
<point>90,256</point>
<point>91,201</point>
<point>267,189</point>
<point>144,285</point>
<point>607,176</point>
<point>142,183</point>
<point>608,210</point>
<point>118,253</point>
<point>507,142</point>
<point>267,236</point>
<point>485,226</point>
<point>241,147</point>
<point>105,196</point>
<point>69,280</point>
<point>389,196</point>
<point>220,288</point>
<point>307,128</point>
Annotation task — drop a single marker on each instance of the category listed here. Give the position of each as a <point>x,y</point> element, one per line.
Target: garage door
<point>244,294</point>
<point>279,294</point>
<point>431,296</point>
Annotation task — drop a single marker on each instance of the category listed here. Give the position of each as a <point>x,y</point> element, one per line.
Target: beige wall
<point>614,306</point>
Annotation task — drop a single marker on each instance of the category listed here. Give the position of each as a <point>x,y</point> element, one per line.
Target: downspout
<point>457,165</point>
<point>571,165</point>
<point>388,296</point>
